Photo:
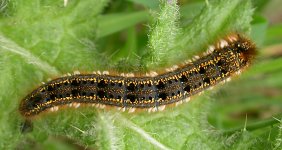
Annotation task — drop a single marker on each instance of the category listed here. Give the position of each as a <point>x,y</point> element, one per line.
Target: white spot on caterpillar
<point>223,43</point>
<point>153,73</point>
<point>56,108</point>
<point>167,69</point>
<point>68,74</point>
<point>228,79</point>
<point>188,61</point>
<point>200,93</point>
<point>210,49</point>
<point>76,72</point>
<point>196,58</point>
<point>123,109</point>
<point>129,75</point>
<point>76,105</point>
<point>94,72</point>
<point>154,109</point>
<point>185,93</point>
<point>122,74</point>
<point>102,106</point>
<point>43,82</point>
<point>131,110</point>
<point>210,88</point>
<point>187,99</point>
<point>238,72</point>
<point>97,105</point>
<point>178,103</point>
<point>174,67</point>
<point>161,108</point>
<point>232,38</point>
<point>98,72</point>
<point>150,109</point>
<point>106,73</point>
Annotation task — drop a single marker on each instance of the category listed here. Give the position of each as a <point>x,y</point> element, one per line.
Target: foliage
<point>42,39</point>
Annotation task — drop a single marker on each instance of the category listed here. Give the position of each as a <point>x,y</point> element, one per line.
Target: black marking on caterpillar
<point>150,91</point>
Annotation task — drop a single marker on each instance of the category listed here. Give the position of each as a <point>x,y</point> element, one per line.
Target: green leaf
<point>189,11</point>
<point>216,19</point>
<point>164,32</point>
<point>259,29</point>
<point>274,35</point>
<point>148,3</point>
<point>278,140</point>
<point>42,39</point>
<point>109,24</point>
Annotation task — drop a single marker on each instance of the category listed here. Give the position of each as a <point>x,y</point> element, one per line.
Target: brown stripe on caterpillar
<point>151,91</point>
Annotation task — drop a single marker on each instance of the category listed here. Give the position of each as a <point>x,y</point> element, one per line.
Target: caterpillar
<point>152,91</point>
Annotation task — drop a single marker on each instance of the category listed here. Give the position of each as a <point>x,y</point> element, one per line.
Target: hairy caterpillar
<point>150,91</point>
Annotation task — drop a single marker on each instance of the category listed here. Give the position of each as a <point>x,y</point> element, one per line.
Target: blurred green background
<point>44,39</point>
